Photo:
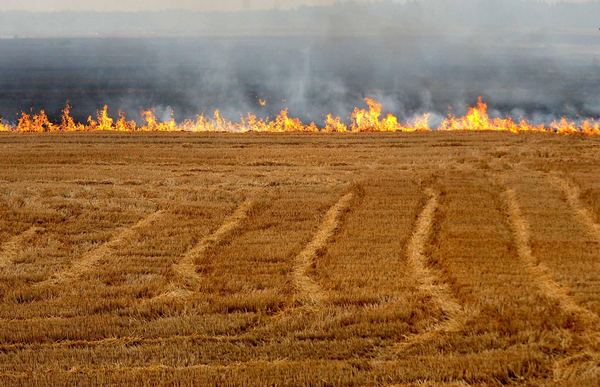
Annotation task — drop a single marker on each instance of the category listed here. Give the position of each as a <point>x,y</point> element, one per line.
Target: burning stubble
<point>477,119</point>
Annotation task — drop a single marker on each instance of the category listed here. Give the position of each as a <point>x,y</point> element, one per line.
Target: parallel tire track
<point>12,248</point>
<point>428,281</point>
<point>538,271</point>
<point>87,262</point>
<point>309,292</point>
<point>572,193</point>
<point>185,269</point>
<point>587,361</point>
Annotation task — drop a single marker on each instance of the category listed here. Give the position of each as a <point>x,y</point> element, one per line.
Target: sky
<point>145,5</point>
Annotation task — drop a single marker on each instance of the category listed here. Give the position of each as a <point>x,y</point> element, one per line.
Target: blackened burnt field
<point>436,258</point>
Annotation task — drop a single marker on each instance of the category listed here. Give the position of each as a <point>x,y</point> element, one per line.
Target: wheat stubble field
<point>299,259</point>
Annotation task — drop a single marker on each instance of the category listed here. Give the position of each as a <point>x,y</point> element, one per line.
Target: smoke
<point>526,59</point>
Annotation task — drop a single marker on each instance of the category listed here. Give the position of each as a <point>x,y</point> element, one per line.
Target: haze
<point>525,58</point>
<point>150,5</point>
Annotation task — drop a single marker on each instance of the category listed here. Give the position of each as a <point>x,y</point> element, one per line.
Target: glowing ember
<point>362,120</point>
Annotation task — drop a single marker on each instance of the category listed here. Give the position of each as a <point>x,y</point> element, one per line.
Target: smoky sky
<point>526,59</point>
<point>146,5</point>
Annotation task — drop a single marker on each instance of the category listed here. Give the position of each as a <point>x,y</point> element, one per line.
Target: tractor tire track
<point>11,248</point>
<point>429,282</point>
<point>538,271</point>
<point>185,269</point>
<point>308,291</point>
<point>572,193</point>
<point>587,360</point>
<point>87,262</point>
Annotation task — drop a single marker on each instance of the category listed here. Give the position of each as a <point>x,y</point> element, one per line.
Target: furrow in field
<point>559,251</point>
<point>583,215</point>
<point>471,251</point>
<point>185,269</point>
<point>11,248</point>
<point>87,262</point>
<point>538,271</point>
<point>588,360</point>
<point>430,283</point>
<point>309,292</point>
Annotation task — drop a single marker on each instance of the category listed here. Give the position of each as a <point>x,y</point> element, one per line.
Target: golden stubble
<point>256,260</point>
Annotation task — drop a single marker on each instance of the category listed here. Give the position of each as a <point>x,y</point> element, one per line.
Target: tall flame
<point>361,120</point>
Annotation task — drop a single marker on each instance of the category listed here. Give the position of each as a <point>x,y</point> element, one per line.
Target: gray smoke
<point>526,59</point>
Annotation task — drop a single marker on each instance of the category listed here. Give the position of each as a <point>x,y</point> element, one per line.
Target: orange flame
<point>35,123</point>
<point>4,128</point>
<point>476,119</point>
<point>67,121</point>
<point>335,125</point>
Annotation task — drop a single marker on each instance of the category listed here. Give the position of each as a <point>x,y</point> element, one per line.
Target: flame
<point>478,119</point>
<point>421,123</point>
<point>361,120</point>
<point>368,121</point>
<point>152,124</point>
<point>67,121</point>
<point>35,123</point>
<point>4,128</point>
<point>335,125</point>
<point>123,125</point>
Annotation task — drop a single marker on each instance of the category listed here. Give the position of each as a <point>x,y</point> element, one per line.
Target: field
<point>299,259</point>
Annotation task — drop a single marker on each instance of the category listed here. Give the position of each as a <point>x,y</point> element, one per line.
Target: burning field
<point>477,119</point>
<point>437,258</point>
<point>302,84</point>
<point>394,193</point>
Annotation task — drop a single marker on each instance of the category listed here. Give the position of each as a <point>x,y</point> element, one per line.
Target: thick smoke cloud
<point>525,59</point>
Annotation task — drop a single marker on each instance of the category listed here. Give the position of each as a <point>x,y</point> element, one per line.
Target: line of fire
<point>361,120</point>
